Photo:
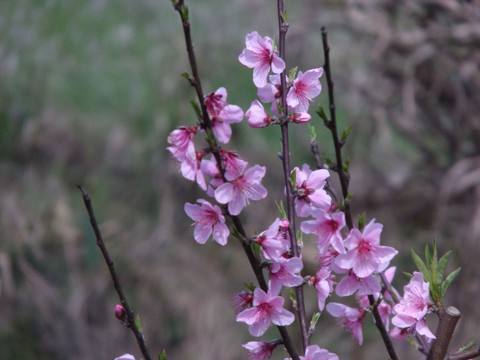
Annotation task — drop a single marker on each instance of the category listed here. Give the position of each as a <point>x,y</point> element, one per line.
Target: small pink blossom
<point>351,283</point>
<point>222,114</point>
<point>410,312</point>
<point>284,272</point>
<point>259,54</point>
<point>271,92</point>
<point>304,89</point>
<point>209,221</point>
<point>314,352</point>
<point>310,191</point>
<point>125,357</point>
<point>241,301</point>
<point>191,169</point>
<point>260,350</point>
<point>323,282</point>
<point>267,309</point>
<point>327,227</point>
<point>350,318</point>
<point>238,192</point>
<point>300,117</point>
<point>234,165</point>
<point>365,255</point>
<point>273,241</point>
<point>181,140</point>
<point>256,115</point>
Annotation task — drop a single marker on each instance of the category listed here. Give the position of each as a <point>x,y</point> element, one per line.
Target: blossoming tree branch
<point>352,261</point>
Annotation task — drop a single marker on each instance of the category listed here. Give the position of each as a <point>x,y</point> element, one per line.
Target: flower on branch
<point>410,312</point>
<point>181,140</point>
<point>284,272</point>
<point>259,54</point>
<point>256,115</point>
<point>304,89</point>
<point>267,309</point>
<point>300,117</point>
<point>222,114</point>
<point>350,318</point>
<point>323,282</point>
<point>209,221</point>
<point>327,227</point>
<point>241,301</point>
<point>310,192</point>
<point>315,352</point>
<point>274,241</point>
<point>365,255</point>
<point>366,286</point>
<point>239,191</point>
<point>260,350</point>
<point>190,168</point>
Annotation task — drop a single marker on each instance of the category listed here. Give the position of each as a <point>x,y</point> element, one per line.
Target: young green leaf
<point>163,355</point>
<point>346,132</point>
<point>138,324</point>
<point>428,257</point>
<point>312,132</point>
<point>321,113</point>
<point>442,265</point>
<point>421,267</point>
<point>281,209</point>
<point>449,280</point>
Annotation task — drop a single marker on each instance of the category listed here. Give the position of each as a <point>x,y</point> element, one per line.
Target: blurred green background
<point>89,92</point>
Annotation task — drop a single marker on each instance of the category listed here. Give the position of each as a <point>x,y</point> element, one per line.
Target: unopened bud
<point>120,313</point>
<point>284,224</point>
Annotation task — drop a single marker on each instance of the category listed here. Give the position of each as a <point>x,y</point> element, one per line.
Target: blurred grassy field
<point>89,92</point>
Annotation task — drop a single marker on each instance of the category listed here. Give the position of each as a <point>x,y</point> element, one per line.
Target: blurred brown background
<point>90,90</point>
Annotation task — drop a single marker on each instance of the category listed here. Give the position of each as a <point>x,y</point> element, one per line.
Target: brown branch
<point>282,29</point>
<point>344,182</point>
<point>142,344</point>
<point>446,326</point>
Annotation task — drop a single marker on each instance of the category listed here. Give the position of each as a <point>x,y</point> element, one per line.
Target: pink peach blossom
<point>350,318</point>
<point>284,272</point>
<point>256,115</point>
<point>260,350</point>
<point>410,312</point>
<point>222,114</point>
<point>310,192</point>
<point>238,192</point>
<point>314,352</point>
<point>365,255</point>
<point>209,221</point>
<point>327,227</point>
<point>267,309</point>
<point>304,89</point>
<point>259,54</point>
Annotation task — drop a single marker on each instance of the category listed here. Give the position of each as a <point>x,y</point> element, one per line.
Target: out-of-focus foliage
<point>90,90</point>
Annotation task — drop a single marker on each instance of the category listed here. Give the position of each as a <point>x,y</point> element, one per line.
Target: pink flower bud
<point>284,224</point>
<point>120,313</point>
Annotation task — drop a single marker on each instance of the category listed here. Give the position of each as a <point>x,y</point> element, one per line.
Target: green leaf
<point>257,248</point>
<point>428,257</point>
<point>346,165</point>
<point>250,286</point>
<point>163,356</point>
<point>346,132</point>
<point>449,280</point>
<point>292,73</point>
<point>284,16</point>
<point>281,209</point>
<point>186,75</point>
<point>138,324</point>
<point>196,108</point>
<point>312,132</point>
<point>327,161</point>
<point>279,108</point>
<point>293,297</point>
<point>466,347</point>
<point>184,12</point>
<point>321,113</point>
<point>361,221</point>
<point>442,265</point>
<point>313,322</point>
<point>293,179</point>
<point>299,238</point>
<point>421,267</point>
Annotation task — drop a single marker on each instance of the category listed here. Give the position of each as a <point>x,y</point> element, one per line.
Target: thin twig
<point>332,125</point>
<point>465,355</point>
<point>142,344</point>
<point>282,29</point>
<point>344,182</point>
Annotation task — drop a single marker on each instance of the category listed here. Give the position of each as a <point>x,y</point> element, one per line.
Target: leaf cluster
<point>433,271</point>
